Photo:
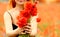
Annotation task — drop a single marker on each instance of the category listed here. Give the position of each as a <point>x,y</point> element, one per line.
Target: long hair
<point>11,4</point>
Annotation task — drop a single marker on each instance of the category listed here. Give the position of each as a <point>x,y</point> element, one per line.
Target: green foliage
<point>40,28</point>
<point>37,35</point>
<point>3,0</point>
<point>45,25</point>
<point>24,35</point>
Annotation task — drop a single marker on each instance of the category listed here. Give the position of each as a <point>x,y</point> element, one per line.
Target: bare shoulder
<point>6,12</point>
<point>10,11</point>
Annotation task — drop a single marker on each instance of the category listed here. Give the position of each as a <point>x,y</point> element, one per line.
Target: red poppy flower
<point>28,6</point>
<point>38,19</point>
<point>34,11</point>
<point>29,10</point>
<point>25,13</point>
<point>22,22</point>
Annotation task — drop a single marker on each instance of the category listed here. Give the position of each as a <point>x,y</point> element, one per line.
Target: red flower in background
<point>38,19</point>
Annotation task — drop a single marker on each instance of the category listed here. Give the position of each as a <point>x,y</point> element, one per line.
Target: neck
<point>19,7</point>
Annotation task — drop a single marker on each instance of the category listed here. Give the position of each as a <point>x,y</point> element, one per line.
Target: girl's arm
<point>8,25</point>
<point>33,25</point>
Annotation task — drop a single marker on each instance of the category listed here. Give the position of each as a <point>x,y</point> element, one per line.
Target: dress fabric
<point>13,25</point>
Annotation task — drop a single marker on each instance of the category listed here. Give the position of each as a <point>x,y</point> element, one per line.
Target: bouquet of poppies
<point>29,11</point>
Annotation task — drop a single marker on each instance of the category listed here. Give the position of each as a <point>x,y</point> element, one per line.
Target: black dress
<point>14,27</point>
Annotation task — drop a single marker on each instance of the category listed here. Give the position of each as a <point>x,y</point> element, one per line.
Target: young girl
<point>12,30</point>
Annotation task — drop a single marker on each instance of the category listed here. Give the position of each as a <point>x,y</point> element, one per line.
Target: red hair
<point>11,4</point>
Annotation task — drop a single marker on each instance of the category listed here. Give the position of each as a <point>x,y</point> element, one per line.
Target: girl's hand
<point>26,29</point>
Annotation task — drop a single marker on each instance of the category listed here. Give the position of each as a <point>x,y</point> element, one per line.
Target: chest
<point>14,15</point>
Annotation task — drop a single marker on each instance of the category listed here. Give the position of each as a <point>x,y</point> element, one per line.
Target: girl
<point>12,30</point>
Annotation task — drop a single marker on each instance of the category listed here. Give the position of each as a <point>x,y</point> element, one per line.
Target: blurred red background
<point>50,20</point>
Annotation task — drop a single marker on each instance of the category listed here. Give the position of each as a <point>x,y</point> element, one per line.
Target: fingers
<point>28,26</point>
<point>22,31</point>
<point>26,29</point>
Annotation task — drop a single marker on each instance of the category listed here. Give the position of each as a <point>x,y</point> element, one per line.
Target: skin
<point>14,13</point>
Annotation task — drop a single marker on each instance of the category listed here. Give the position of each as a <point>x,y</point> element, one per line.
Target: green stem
<point>24,35</point>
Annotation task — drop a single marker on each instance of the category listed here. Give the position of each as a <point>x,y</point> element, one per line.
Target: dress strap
<point>10,15</point>
<point>14,26</point>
